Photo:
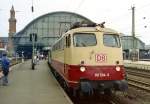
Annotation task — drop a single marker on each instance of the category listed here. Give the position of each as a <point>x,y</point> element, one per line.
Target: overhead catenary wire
<point>79,5</point>
<point>138,25</point>
<point>118,18</point>
<point>144,6</point>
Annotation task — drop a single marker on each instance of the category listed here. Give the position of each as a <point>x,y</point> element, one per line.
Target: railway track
<point>138,73</point>
<point>138,82</point>
<point>104,99</point>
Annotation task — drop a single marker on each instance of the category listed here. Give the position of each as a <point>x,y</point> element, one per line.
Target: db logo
<point>101,57</point>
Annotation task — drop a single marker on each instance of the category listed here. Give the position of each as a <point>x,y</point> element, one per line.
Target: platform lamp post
<point>33,38</point>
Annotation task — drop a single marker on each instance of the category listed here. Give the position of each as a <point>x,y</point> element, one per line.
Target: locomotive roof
<point>89,28</point>
<point>92,29</point>
<point>83,27</point>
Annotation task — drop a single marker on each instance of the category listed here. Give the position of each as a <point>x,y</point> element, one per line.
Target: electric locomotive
<point>89,58</point>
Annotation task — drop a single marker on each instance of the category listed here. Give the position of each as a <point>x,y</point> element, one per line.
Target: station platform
<point>27,86</point>
<point>145,65</point>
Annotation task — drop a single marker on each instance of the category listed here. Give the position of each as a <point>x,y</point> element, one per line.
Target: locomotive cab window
<point>111,40</point>
<point>84,39</point>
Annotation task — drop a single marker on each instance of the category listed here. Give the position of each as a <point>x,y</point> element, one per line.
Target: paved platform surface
<point>145,65</point>
<point>28,86</point>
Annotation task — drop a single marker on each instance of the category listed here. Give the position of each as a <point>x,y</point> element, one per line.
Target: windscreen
<point>84,39</point>
<point>111,40</point>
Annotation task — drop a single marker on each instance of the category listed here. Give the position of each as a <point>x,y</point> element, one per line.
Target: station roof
<point>63,13</point>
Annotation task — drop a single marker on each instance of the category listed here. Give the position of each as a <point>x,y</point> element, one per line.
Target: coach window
<point>111,40</point>
<point>84,39</point>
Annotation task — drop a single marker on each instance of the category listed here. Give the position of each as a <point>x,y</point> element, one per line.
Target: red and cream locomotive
<point>89,58</point>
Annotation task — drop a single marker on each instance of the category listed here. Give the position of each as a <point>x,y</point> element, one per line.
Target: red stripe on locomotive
<point>72,73</point>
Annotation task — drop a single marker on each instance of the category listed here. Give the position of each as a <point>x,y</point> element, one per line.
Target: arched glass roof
<point>49,27</point>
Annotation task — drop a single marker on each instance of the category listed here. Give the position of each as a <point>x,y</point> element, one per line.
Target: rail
<point>140,85</point>
<point>141,82</point>
<point>138,73</point>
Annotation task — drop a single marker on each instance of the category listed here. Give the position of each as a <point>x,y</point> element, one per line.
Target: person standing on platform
<point>5,68</point>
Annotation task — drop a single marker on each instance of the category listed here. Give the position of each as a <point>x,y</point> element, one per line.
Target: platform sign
<point>101,57</point>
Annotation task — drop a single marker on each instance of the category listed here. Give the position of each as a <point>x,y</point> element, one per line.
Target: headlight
<point>82,68</point>
<point>117,68</point>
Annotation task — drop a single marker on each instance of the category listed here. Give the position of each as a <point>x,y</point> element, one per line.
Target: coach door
<point>67,51</point>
